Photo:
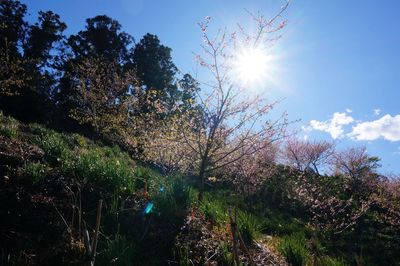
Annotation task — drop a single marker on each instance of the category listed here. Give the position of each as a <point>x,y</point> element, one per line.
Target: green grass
<point>117,250</point>
<point>214,209</point>
<point>35,171</point>
<point>101,166</point>
<point>250,226</point>
<point>8,126</point>
<point>294,249</point>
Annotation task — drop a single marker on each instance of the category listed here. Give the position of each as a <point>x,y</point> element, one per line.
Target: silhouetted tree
<point>155,69</point>
<point>27,72</point>
<point>12,33</point>
<point>102,39</point>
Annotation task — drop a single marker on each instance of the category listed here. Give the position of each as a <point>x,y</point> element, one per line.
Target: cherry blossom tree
<point>304,154</point>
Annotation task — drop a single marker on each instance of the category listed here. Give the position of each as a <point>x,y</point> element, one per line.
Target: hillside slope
<point>50,188</point>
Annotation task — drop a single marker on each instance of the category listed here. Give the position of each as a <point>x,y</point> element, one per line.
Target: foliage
<point>35,171</point>
<point>102,166</point>
<point>294,248</point>
<point>117,251</point>
<point>56,148</point>
<point>155,70</point>
<point>326,206</point>
<point>250,226</point>
<point>100,98</point>
<point>27,54</point>
<point>8,126</point>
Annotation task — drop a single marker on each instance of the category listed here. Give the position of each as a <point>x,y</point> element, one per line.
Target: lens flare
<point>251,66</point>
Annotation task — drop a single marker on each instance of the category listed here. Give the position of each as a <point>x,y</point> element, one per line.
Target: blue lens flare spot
<point>148,208</point>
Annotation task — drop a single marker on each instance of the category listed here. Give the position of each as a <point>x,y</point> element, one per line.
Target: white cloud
<point>307,128</point>
<point>349,110</point>
<point>333,126</point>
<point>387,127</point>
<point>377,111</point>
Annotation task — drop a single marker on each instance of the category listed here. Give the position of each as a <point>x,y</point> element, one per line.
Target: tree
<point>232,126</point>
<point>12,32</point>
<point>228,126</point>
<point>101,38</point>
<point>155,69</point>
<point>100,94</point>
<point>27,73</point>
<point>305,155</point>
<point>355,162</point>
<point>250,172</point>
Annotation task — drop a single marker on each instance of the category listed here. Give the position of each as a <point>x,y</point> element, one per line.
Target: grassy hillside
<point>51,184</point>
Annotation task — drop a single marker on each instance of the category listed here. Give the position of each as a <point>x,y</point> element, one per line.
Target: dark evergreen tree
<point>27,73</point>
<point>102,40</point>
<point>155,70</point>
<point>12,34</point>
<point>188,88</point>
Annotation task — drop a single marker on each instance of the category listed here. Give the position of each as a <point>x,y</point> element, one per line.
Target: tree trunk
<point>202,181</point>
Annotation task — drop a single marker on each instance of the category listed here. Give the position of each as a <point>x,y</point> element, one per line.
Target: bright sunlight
<point>251,66</point>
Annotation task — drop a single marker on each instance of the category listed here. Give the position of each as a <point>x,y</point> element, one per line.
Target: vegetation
<point>102,139</point>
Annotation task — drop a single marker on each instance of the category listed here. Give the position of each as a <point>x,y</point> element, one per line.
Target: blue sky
<point>335,57</point>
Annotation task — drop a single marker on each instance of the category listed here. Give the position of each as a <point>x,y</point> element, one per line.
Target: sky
<point>337,64</point>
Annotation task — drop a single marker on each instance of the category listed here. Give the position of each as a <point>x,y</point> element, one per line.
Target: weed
<point>35,171</point>
<point>8,126</point>
<point>214,209</point>
<point>117,251</point>
<point>111,172</point>
<point>55,148</point>
<point>294,249</point>
<point>249,226</point>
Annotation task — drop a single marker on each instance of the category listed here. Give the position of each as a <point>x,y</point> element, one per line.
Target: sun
<point>251,66</point>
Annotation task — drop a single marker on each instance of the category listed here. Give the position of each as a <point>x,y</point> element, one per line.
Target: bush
<point>294,249</point>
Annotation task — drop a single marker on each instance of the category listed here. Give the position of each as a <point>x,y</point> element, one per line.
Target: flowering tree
<point>338,202</point>
<point>305,155</point>
<point>249,173</point>
<point>100,95</point>
<point>230,126</point>
<point>224,127</point>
